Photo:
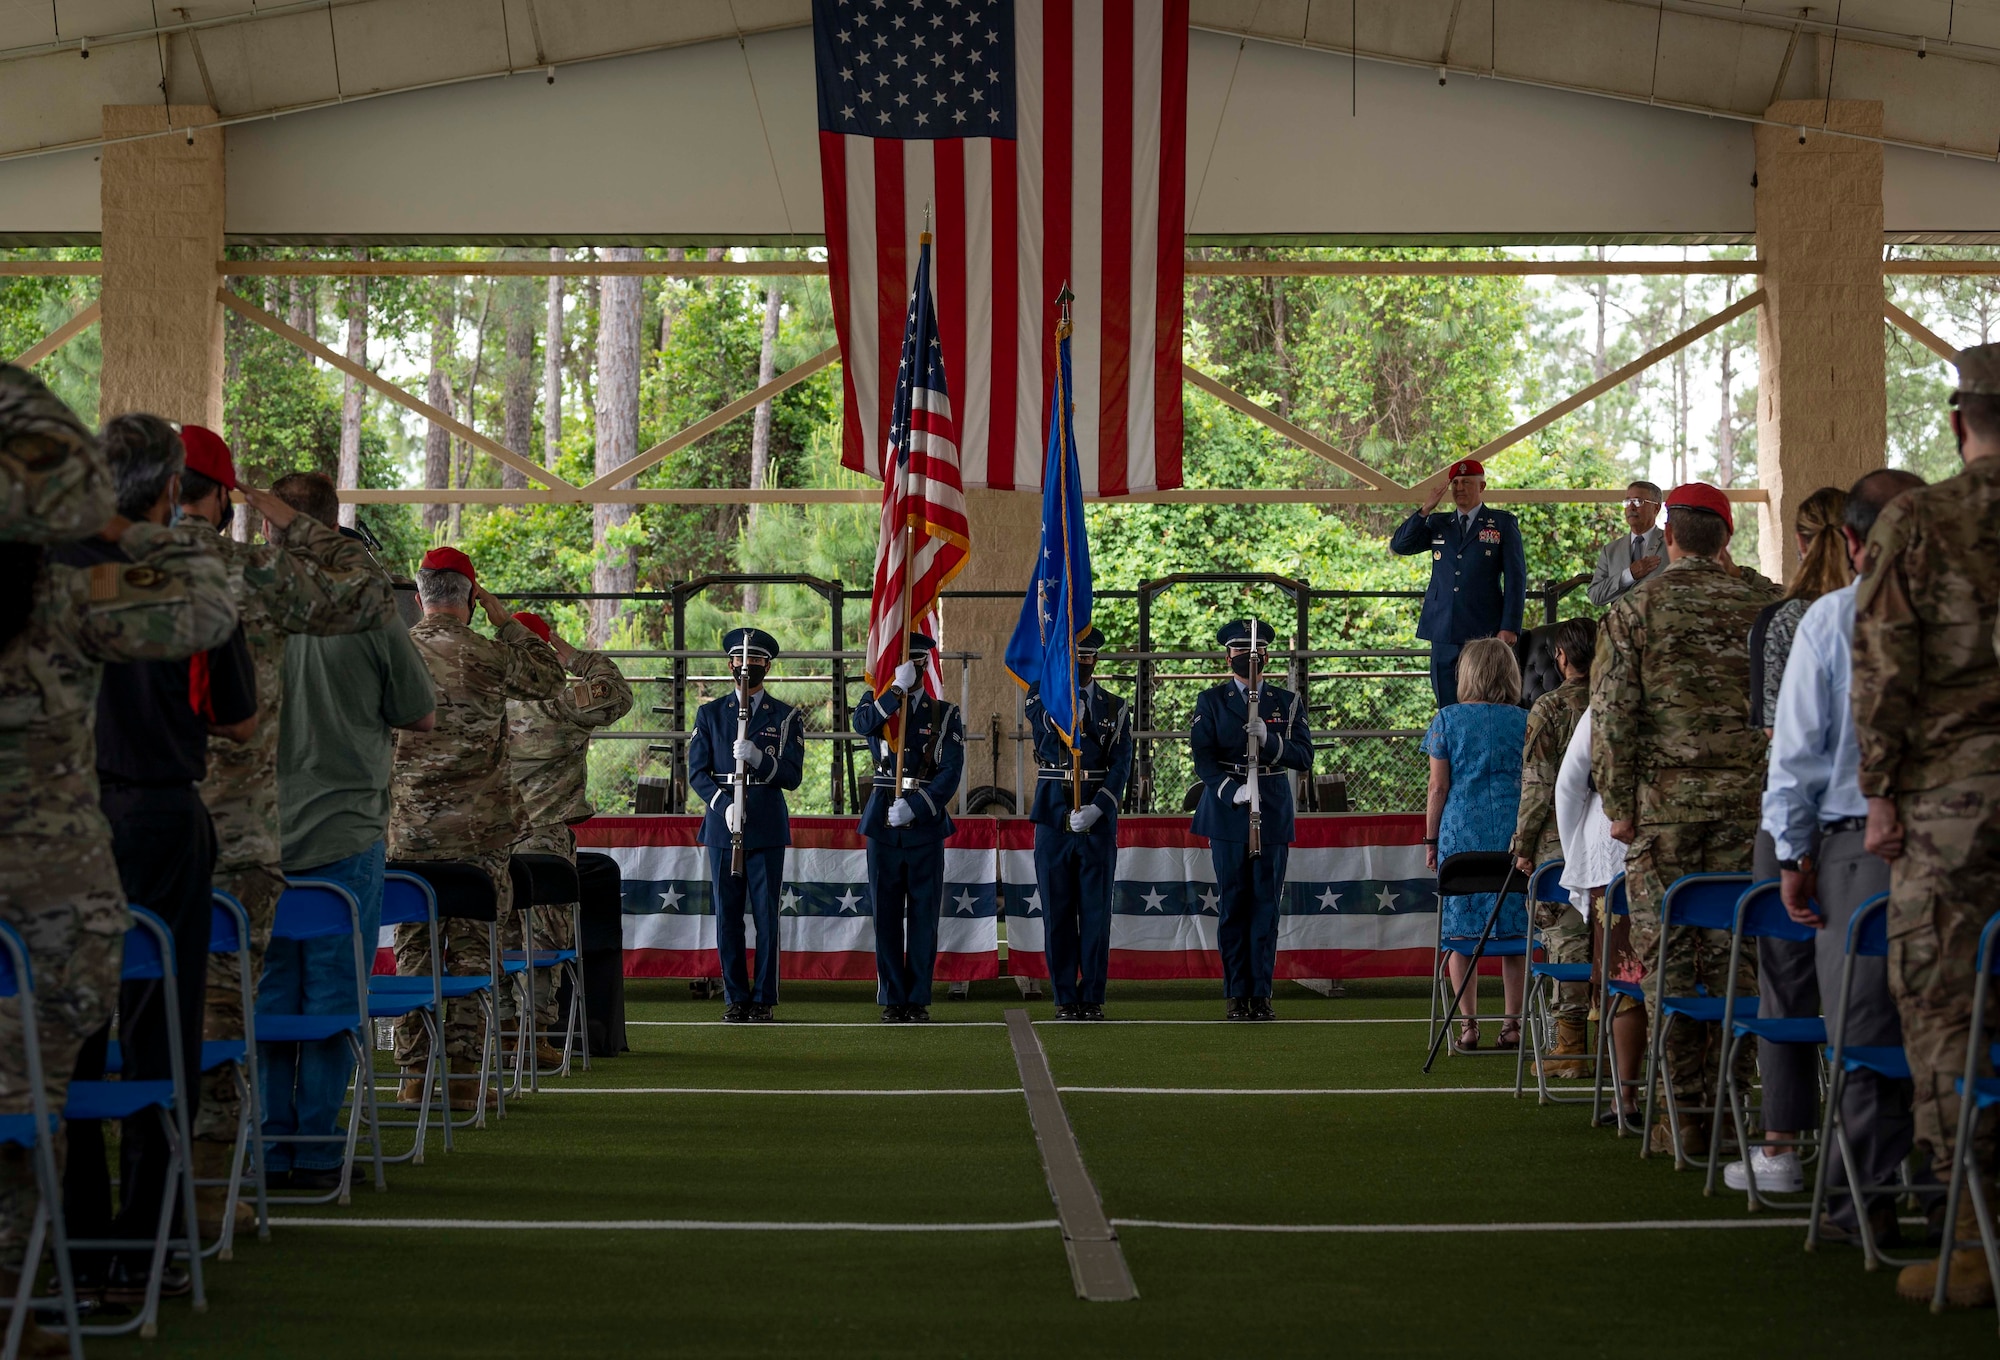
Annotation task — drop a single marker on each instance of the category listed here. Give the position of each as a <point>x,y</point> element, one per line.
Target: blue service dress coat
<point>1479,581</point>
<point>1075,871</point>
<point>779,732</point>
<point>1248,887</point>
<point>906,864</point>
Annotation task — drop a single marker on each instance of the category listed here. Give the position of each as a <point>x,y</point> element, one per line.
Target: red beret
<point>451,559</point>
<point>1467,467</point>
<point>208,455</point>
<point>1702,496</point>
<point>534,623</point>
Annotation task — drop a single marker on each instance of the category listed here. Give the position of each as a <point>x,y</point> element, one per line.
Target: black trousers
<point>164,844</point>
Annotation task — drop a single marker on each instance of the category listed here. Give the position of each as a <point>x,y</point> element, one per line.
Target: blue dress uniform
<point>1479,579</point>
<point>906,863</point>
<point>1074,870</point>
<point>778,733</point>
<point>1248,887</point>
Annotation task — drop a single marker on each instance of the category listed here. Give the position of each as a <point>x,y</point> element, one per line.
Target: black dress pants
<point>164,844</point>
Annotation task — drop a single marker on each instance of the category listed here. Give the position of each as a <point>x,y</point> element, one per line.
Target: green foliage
<point>32,306</point>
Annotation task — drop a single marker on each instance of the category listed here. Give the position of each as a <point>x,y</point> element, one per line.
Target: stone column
<point>163,211</point>
<point>1822,410</point>
<point>1006,531</point>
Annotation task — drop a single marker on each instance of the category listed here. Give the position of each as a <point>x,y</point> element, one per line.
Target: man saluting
<point>1479,572</point>
<point>772,756</point>
<point>1076,848</point>
<point>1248,884</point>
<point>906,829</point>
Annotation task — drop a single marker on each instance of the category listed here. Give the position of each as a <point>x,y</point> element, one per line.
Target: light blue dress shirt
<point>1815,773</point>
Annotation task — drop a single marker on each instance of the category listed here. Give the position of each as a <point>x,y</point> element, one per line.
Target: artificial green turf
<point>1402,1159</point>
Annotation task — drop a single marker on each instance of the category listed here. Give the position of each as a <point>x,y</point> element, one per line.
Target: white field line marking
<point>1637,1225</point>
<point>784,1090</point>
<point>654,1225</point>
<point>814,1024</point>
<point>1288,1090</point>
<point>1085,1024</point>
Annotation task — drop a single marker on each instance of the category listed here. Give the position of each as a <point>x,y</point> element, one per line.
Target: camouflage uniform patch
<point>1926,695</point>
<point>1672,750</point>
<point>54,482</point>
<point>58,882</point>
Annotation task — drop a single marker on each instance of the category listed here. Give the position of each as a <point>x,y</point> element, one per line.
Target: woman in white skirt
<point>1591,859</point>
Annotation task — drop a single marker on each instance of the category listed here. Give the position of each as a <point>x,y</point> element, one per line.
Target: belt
<point>910,782</point>
<point>1062,774</point>
<point>1843,826</point>
<point>730,777</point>
<point>1243,771</point>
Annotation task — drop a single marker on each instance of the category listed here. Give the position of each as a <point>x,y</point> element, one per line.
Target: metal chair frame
<point>1615,903</point>
<point>35,1130</point>
<point>391,997</point>
<point>249,1147</point>
<point>1444,1010</point>
<point>362,1085</point>
<point>1666,1009</point>
<point>575,1034</point>
<point>1545,981</point>
<point>1975,1093</point>
<point>1760,914</point>
<point>153,960</point>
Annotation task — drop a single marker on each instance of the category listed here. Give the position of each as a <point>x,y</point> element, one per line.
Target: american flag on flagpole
<point>1052,137</point>
<point>924,540</point>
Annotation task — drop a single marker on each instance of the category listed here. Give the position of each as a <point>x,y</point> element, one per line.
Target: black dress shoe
<point>894,1015</point>
<point>737,1014</point>
<point>1260,1009</point>
<point>1067,1013</point>
<point>1239,1009</point>
<point>761,1014</point>
<point>1093,1012</point>
<point>127,1285</point>
<point>917,1015</point>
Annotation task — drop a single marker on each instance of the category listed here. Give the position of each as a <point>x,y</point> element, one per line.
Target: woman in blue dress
<point>1475,792</point>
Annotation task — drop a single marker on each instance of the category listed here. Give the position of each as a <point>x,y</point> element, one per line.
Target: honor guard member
<point>1076,849</point>
<point>1247,884</point>
<point>1479,572</point>
<point>906,830</point>
<point>772,756</point>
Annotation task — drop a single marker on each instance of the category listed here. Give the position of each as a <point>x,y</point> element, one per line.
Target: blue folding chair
<point>317,909</point>
<point>1545,983</point>
<point>1760,914</point>
<point>34,1132</point>
<point>1976,1094</point>
<point>407,900</point>
<point>546,882</point>
<point>1703,902</point>
<point>229,933</point>
<point>1468,873</point>
<point>149,957</point>
<point>458,890</point>
<point>1611,994</point>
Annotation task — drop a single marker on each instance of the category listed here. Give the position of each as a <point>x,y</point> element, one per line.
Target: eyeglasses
<point>1635,502</point>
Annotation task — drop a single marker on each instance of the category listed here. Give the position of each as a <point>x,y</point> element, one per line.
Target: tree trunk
<point>304,312</point>
<point>351,392</point>
<point>517,392</point>
<point>1725,434</point>
<point>760,427</point>
<point>1601,289</point>
<point>552,352</point>
<point>621,302</point>
<point>437,391</point>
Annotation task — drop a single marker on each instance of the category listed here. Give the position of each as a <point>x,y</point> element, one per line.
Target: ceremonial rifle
<point>1254,748</point>
<point>742,773</point>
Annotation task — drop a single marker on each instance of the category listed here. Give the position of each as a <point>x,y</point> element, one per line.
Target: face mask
<point>228,517</point>
<point>175,516</point>
<point>1084,670</point>
<point>753,674</point>
<point>1239,662</point>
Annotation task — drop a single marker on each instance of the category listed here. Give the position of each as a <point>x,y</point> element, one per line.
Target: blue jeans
<point>306,1084</point>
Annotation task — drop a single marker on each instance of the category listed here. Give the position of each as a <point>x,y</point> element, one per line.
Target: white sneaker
<point>1775,1175</point>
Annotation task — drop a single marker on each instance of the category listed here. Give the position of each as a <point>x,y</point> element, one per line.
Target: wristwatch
<point>1796,866</point>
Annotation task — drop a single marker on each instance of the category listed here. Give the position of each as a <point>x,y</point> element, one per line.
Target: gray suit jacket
<point>1614,559</point>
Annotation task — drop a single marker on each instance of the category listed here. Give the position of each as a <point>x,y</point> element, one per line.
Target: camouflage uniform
<point>1551,723</point>
<point>453,797</point>
<point>1672,750</point>
<point>58,883</point>
<point>548,745</point>
<point>54,485</point>
<point>1926,697</point>
<point>309,579</point>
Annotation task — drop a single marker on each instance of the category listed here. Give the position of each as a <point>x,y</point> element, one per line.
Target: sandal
<point>1468,1034</point>
<point>1510,1035</point>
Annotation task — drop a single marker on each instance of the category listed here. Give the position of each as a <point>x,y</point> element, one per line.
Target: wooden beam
<point>870,496</point>
<point>391,391</point>
<point>1610,380</point>
<point>1942,269</point>
<point>1919,332</point>
<point>44,269</point>
<point>1304,438</point>
<point>1463,268</point>
<point>452,269</point>
<point>57,338</point>
<point>708,424</point>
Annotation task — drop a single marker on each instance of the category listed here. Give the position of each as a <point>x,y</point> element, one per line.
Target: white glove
<point>1258,730</point>
<point>731,818</point>
<point>1242,794</point>
<point>900,813</point>
<point>747,752</point>
<point>906,676</point>
<point>1085,817</point>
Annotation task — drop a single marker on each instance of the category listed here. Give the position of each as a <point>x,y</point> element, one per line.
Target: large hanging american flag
<point>924,539</point>
<point>1052,137</point>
